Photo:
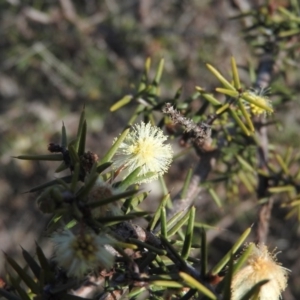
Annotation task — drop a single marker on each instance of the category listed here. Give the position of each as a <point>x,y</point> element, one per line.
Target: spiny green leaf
<point>180,220</point>
<point>251,99</point>
<point>33,265</point>
<point>186,184</point>
<point>113,198</point>
<point>245,180</point>
<point>209,97</point>
<point>61,167</point>
<point>222,79</point>
<point>245,164</point>
<point>282,189</point>
<point>117,219</point>
<point>53,224</point>
<point>289,33</point>
<point>293,13</point>
<point>189,234</point>
<point>167,283</point>
<point>136,113</point>
<point>254,290</point>
<point>239,122</point>
<point>73,154</point>
<point>242,259</point>
<point>147,65</point>
<point>132,202</point>
<point>82,139</point>
<point>163,222</point>
<point>245,114</point>
<point>234,248</point>
<point>70,224</point>
<point>109,155</point>
<point>75,178</point>
<point>102,167</point>
<point>66,179</point>
<point>203,252</point>
<point>49,276</point>
<point>193,283</point>
<point>79,129</point>
<point>23,275</point>
<point>155,218</point>
<point>47,157</point>
<point>123,245</point>
<point>222,109</point>
<point>168,276</point>
<point>15,283</point>
<point>164,188</point>
<point>175,218</point>
<point>132,178</point>
<point>122,102</point>
<point>64,139</point>
<point>144,177</point>
<point>147,246</point>
<point>295,202</point>
<point>144,80</point>
<point>90,182</point>
<point>227,92</point>
<point>294,211</point>
<point>175,257</point>
<point>135,292</point>
<point>235,74</point>
<point>215,197</point>
<point>159,72</point>
<point>282,164</point>
<point>227,281</point>
<point>8,295</point>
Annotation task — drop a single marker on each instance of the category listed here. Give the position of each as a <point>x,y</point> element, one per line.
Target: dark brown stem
<point>264,215</point>
<point>264,75</point>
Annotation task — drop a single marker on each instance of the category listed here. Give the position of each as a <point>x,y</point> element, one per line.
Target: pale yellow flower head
<point>260,265</point>
<point>82,253</point>
<point>260,97</point>
<point>144,147</point>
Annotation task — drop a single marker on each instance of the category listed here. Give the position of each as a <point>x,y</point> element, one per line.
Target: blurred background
<point>58,56</point>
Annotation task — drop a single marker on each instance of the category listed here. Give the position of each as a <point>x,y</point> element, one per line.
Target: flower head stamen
<point>260,96</point>
<point>144,147</point>
<point>261,264</point>
<point>79,254</point>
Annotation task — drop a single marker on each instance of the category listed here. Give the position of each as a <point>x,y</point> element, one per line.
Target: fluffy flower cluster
<point>261,264</point>
<point>79,254</point>
<point>102,190</point>
<point>144,147</point>
<point>260,97</point>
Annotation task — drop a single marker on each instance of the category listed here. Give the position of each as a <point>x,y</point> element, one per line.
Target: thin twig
<point>264,75</point>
